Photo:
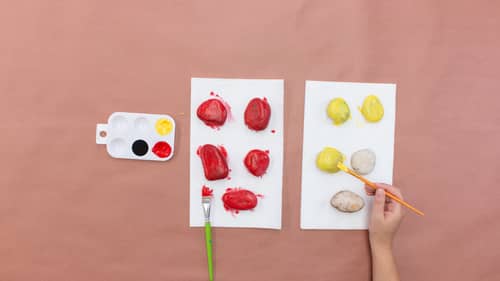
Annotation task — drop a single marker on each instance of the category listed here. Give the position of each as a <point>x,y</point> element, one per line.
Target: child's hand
<point>386,216</point>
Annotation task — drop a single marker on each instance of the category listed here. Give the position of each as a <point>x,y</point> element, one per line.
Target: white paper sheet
<point>318,187</point>
<point>238,140</point>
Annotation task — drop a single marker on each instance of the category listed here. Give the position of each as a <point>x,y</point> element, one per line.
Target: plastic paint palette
<point>138,136</point>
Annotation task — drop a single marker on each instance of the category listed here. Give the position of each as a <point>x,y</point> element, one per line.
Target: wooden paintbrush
<point>374,186</point>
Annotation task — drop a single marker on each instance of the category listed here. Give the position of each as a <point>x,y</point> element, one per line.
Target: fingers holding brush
<point>390,204</point>
<point>370,191</point>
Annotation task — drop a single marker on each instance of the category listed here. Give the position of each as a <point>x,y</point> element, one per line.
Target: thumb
<point>378,203</point>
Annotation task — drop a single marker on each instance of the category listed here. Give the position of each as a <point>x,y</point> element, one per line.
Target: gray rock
<point>363,161</point>
<point>347,201</point>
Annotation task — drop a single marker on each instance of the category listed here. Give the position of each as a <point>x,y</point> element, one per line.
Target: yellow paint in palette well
<point>163,126</point>
<point>372,109</point>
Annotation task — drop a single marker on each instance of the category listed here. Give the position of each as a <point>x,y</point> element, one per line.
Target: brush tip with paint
<point>342,167</point>
<point>206,196</point>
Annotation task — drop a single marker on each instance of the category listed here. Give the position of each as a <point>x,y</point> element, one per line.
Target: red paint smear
<point>228,108</point>
<point>206,191</point>
<point>223,150</point>
<point>257,162</point>
<point>238,199</point>
<point>162,149</point>
<point>257,114</point>
<point>212,112</point>
<point>273,131</point>
<point>214,162</point>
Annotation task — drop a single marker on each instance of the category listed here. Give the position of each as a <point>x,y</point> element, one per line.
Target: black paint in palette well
<point>140,147</point>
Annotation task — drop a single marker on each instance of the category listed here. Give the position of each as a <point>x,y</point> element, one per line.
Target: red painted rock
<point>257,114</point>
<point>214,162</point>
<point>257,162</point>
<point>212,112</point>
<point>238,199</point>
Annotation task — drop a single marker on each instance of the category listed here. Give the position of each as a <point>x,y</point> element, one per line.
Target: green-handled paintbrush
<point>206,197</point>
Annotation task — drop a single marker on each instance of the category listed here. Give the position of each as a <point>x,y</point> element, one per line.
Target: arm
<point>383,265</point>
<point>384,223</point>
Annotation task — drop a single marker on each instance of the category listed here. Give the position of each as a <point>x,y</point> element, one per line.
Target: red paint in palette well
<point>162,149</point>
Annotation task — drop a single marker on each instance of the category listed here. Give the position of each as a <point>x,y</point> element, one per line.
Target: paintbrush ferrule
<point>206,208</point>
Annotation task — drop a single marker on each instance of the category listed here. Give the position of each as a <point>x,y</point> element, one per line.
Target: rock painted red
<point>206,191</point>
<point>257,162</point>
<point>214,162</point>
<point>257,114</point>
<point>238,199</point>
<point>212,112</point>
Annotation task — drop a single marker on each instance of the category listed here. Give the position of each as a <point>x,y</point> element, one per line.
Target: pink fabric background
<point>69,212</point>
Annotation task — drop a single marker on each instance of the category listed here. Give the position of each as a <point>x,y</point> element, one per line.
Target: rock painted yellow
<point>163,126</point>
<point>338,111</point>
<point>372,109</point>
<point>328,159</point>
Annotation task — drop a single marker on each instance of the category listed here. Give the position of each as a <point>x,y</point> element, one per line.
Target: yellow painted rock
<point>338,111</point>
<point>372,109</point>
<point>328,159</point>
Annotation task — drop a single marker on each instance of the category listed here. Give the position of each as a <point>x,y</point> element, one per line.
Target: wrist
<point>380,244</point>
